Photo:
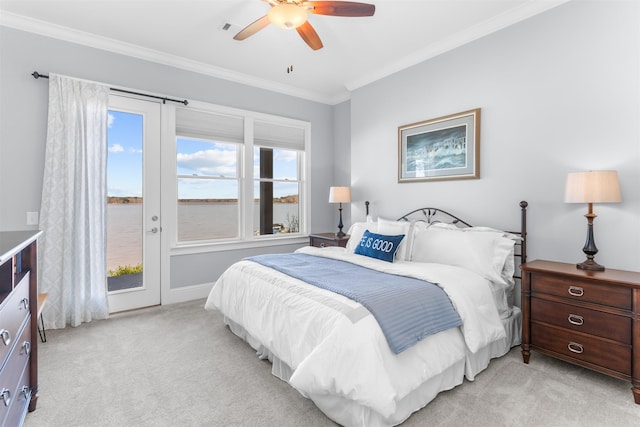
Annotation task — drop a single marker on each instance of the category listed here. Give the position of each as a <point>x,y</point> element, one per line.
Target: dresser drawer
<point>593,322</point>
<point>322,243</point>
<point>20,403</point>
<point>591,349</point>
<point>15,310</point>
<point>582,290</point>
<point>13,377</point>
<point>322,240</point>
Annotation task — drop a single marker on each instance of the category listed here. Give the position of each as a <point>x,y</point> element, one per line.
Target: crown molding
<point>468,35</point>
<point>529,9</point>
<point>47,29</point>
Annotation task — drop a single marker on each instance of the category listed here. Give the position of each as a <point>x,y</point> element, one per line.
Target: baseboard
<point>187,293</point>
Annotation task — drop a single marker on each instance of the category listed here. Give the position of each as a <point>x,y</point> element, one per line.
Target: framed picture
<point>438,149</point>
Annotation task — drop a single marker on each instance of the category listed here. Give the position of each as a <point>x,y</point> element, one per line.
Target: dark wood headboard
<point>430,215</point>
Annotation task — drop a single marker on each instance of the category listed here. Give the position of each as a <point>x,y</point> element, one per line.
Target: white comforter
<point>334,345</point>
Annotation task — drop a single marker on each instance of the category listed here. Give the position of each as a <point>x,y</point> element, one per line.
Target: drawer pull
<point>5,336</point>
<point>574,319</point>
<point>27,347</point>
<point>5,396</point>
<point>24,302</point>
<point>575,347</point>
<point>25,391</point>
<point>575,291</point>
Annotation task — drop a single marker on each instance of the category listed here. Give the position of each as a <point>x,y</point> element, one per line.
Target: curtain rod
<point>37,75</point>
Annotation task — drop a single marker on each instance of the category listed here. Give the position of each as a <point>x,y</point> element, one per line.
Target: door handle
<point>5,396</point>
<point>154,230</point>
<point>5,336</point>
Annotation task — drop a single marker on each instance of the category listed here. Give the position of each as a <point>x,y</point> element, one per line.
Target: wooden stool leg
<point>41,330</point>
<point>42,299</point>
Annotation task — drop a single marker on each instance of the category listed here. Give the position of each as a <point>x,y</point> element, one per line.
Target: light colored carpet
<point>177,365</point>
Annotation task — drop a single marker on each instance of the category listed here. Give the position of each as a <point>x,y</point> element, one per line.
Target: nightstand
<point>588,318</point>
<point>322,240</point>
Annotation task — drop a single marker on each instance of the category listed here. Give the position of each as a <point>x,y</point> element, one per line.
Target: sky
<point>195,158</point>
<point>124,161</point>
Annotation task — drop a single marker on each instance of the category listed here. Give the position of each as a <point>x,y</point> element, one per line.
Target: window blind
<point>275,135</point>
<point>208,125</point>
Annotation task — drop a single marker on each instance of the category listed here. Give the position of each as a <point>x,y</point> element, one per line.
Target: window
<point>208,189</point>
<point>239,177</point>
<point>276,191</point>
<point>277,153</point>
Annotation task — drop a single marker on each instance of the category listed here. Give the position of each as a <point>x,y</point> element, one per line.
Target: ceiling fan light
<point>287,15</point>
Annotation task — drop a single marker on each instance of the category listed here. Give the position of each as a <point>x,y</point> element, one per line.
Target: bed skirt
<point>350,413</point>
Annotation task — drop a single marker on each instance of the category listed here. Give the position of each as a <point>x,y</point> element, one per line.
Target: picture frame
<point>444,148</point>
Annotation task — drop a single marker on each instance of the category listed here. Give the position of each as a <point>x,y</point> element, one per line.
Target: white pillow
<point>503,291</point>
<point>448,226</point>
<point>509,265</point>
<point>503,298</point>
<point>509,268</point>
<point>355,233</point>
<point>394,228</point>
<point>484,253</point>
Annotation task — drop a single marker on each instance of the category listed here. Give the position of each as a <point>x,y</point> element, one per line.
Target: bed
<point>340,354</point>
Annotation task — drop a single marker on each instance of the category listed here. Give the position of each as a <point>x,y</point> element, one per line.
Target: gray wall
<point>23,122</point>
<point>342,157</point>
<point>558,92</point>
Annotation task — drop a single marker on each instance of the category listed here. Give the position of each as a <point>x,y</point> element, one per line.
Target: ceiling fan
<point>291,14</point>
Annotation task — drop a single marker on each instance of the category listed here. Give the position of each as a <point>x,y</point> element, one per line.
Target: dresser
<point>322,240</point>
<point>589,318</point>
<point>18,325</point>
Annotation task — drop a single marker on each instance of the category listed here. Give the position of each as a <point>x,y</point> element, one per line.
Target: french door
<point>133,205</point>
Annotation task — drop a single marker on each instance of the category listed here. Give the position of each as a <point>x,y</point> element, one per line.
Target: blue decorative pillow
<point>379,246</point>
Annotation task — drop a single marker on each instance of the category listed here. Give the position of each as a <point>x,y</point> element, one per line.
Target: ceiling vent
<point>229,28</point>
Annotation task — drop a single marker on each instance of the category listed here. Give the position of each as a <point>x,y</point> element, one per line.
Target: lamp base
<point>590,265</point>
<point>340,233</point>
<point>590,249</point>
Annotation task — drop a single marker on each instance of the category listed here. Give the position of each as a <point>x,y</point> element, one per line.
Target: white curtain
<point>73,210</point>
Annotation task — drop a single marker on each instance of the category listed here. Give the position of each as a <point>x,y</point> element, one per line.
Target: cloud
<point>110,119</point>
<point>116,148</point>
<point>207,188</point>
<point>209,162</point>
<point>285,155</point>
<point>123,192</point>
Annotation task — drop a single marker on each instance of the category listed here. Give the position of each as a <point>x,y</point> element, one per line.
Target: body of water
<point>124,235</point>
<point>197,221</point>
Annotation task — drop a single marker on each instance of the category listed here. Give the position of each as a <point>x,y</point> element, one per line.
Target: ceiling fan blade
<point>340,8</point>
<point>252,28</point>
<point>309,36</point>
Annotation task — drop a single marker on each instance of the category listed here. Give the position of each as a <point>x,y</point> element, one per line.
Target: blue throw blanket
<point>406,309</point>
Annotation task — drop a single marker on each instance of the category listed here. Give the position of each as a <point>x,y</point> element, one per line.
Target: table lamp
<point>592,187</point>
<point>340,195</point>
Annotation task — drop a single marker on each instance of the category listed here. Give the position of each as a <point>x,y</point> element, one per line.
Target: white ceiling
<point>188,34</point>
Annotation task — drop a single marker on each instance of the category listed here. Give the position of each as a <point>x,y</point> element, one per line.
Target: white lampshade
<point>592,187</point>
<point>339,195</point>
<point>287,15</point>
